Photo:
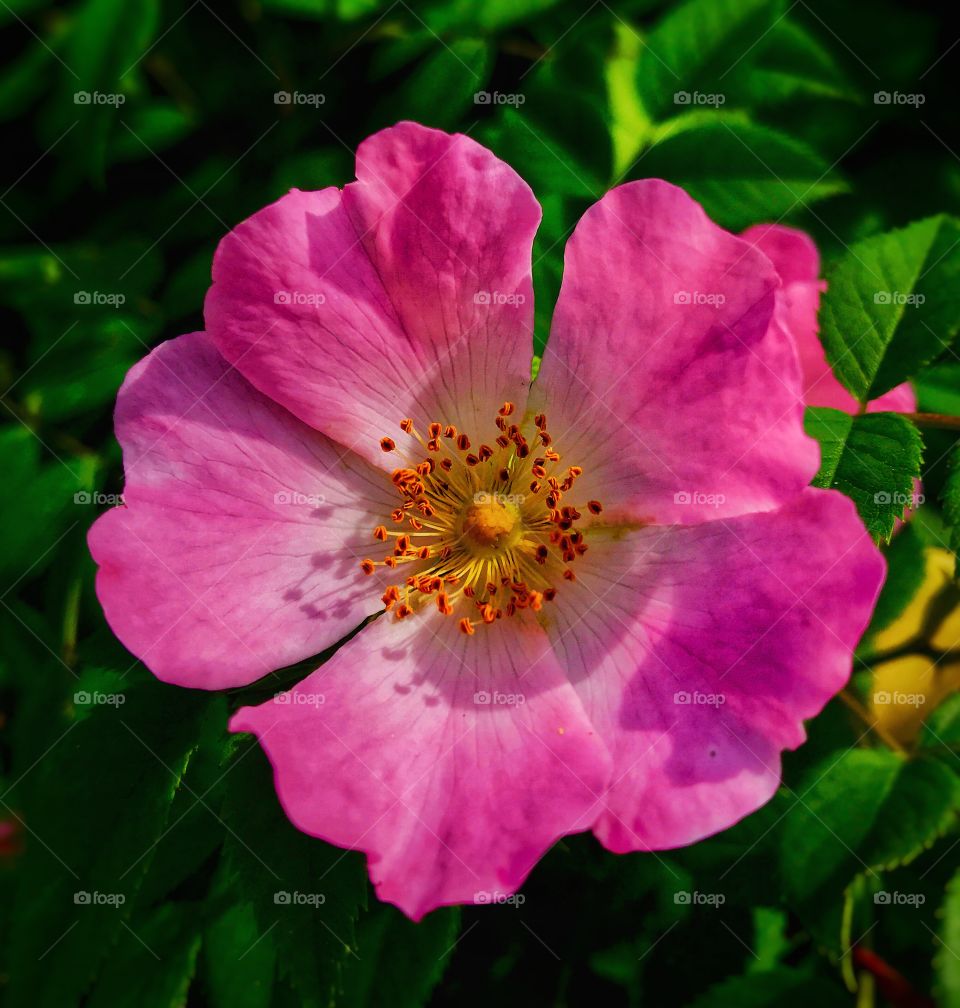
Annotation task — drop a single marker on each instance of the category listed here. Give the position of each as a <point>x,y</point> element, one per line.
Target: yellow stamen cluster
<point>483,532</point>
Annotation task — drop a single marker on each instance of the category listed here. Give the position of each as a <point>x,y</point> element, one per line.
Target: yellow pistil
<point>483,532</point>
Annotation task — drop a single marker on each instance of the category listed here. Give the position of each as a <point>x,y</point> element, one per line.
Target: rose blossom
<point>607,601</point>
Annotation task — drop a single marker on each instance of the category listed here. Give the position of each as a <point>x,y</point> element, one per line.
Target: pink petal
<point>386,749</point>
<point>679,410</point>
<point>796,259</point>
<point>423,268</point>
<point>764,610</point>
<point>238,548</point>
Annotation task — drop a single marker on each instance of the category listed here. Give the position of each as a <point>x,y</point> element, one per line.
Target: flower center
<point>484,534</point>
<point>490,525</point>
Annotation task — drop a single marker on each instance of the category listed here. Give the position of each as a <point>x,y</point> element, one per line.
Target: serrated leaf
<point>867,811</point>
<point>892,305</point>
<point>399,963</point>
<point>305,892</point>
<point>96,814</point>
<point>695,46</point>
<point>874,459</point>
<point>154,962</point>
<point>741,173</point>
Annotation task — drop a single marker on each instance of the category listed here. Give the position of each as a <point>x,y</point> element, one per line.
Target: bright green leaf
<point>892,305</point>
<point>874,459</point>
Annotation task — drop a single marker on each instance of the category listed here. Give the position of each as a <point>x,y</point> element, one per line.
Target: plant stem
<point>941,421</point>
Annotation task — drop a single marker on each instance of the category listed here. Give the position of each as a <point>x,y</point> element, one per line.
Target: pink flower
<point>796,259</point>
<point>611,599</point>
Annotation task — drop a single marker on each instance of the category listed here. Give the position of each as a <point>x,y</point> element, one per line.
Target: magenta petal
<point>406,294</point>
<point>796,259</point>
<point>454,762</point>
<point>238,548</point>
<point>762,611</point>
<point>662,370</point>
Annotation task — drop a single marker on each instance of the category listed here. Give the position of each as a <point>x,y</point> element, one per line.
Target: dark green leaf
<point>741,173</point>
<point>694,48</point>
<point>306,893</point>
<point>398,962</point>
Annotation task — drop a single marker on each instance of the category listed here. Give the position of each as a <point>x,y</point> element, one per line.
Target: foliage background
<point>151,800</point>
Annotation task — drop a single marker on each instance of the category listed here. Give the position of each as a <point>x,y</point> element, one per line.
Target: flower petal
<point>390,748</point>
<point>796,259</point>
<point>406,294</point>
<point>662,370</point>
<point>238,548</point>
<point>761,611</point>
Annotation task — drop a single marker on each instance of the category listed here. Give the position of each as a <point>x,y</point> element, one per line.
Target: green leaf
<point>442,87</point>
<point>938,388</point>
<point>106,43</point>
<point>874,459</point>
<point>239,960</point>
<point>695,47</point>
<point>792,63</point>
<point>892,305</point>
<point>306,893</point>
<point>741,173</point>
<point>44,506</point>
<point>905,570</point>
<point>947,959</point>
<point>153,963</point>
<point>100,806</point>
<point>950,499</point>
<point>941,730</point>
<point>399,963</point>
<point>867,811</point>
